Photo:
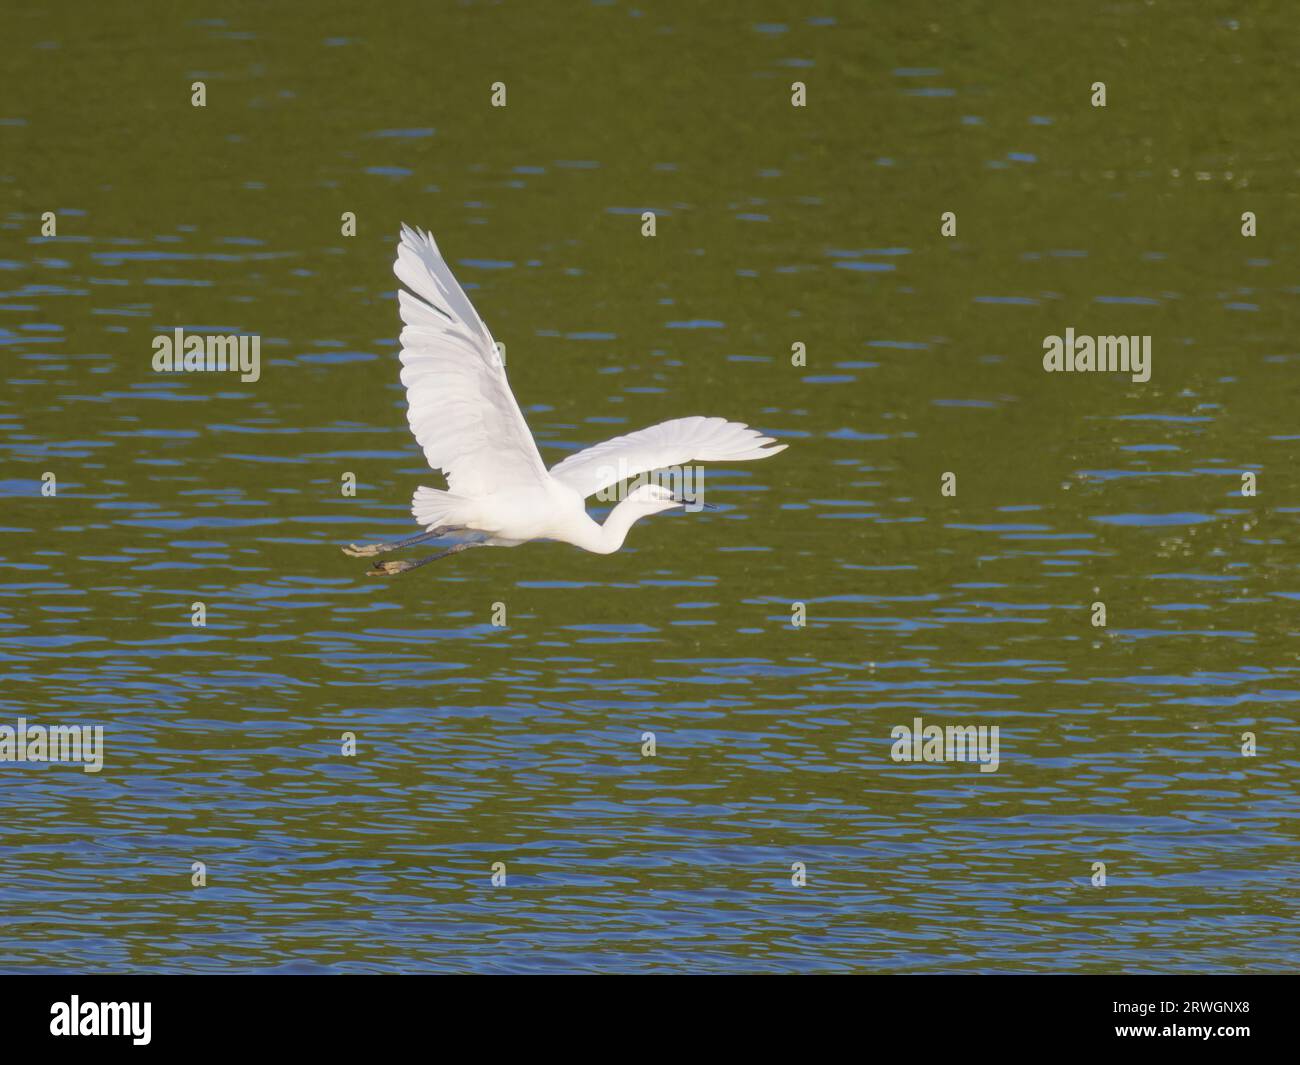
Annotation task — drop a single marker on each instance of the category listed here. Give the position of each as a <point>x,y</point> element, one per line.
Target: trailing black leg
<point>389,569</point>
<point>369,550</point>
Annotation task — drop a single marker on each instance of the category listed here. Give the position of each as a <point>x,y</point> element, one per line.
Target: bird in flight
<point>464,416</point>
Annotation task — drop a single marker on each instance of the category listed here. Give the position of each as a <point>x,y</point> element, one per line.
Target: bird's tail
<point>431,507</point>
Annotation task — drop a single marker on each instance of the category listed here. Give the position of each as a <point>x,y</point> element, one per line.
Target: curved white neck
<point>607,538</point>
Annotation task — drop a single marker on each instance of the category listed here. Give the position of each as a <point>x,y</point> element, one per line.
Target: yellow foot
<point>362,551</point>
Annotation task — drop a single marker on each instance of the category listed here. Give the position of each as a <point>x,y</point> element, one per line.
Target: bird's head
<point>640,503</point>
<point>652,498</point>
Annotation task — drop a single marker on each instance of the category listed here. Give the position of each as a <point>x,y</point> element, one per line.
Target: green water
<point>522,744</point>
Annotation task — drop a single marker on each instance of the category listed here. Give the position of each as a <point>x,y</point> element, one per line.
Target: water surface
<point>522,744</point>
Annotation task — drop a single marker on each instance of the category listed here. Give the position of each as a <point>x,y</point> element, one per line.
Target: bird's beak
<point>688,503</point>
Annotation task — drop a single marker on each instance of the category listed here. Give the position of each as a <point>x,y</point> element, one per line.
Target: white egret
<point>464,416</point>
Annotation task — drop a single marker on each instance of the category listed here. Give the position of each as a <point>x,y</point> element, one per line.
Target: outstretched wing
<point>459,404</point>
<point>671,443</point>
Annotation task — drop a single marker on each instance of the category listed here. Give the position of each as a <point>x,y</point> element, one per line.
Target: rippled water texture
<point>522,744</point>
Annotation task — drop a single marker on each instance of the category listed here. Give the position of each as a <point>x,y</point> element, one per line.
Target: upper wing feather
<point>669,443</point>
<point>459,404</point>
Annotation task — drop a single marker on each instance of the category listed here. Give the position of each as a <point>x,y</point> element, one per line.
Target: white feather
<point>459,405</point>
<point>671,443</point>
